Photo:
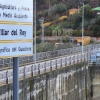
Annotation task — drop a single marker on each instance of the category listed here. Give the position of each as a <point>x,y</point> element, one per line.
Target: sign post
<point>16,34</point>
<point>15,78</point>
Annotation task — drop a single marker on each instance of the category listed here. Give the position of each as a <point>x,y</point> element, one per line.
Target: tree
<point>86,24</point>
<point>75,20</point>
<point>51,2</point>
<point>37,25</point>
<point>57,8</point>
<point>96,30</point>
<point>86,1</point>
<point>61,8</point>
<point>52,11</point>
<point>69,4</point>
<point>97,21</point>
<point>87,11</point>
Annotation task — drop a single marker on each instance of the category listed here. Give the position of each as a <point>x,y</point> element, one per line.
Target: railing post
<point>24,72</point>
<point>7,77</point>
<point>32,70</point>
<point>3,63</point>
<point>10,62</point>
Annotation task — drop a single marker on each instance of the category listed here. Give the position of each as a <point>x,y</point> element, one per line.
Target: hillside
<point>53,12</point>
<point>45,4</point>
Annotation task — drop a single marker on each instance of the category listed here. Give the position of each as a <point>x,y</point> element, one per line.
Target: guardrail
<point>94,63</point>
<point>27,71</point>
<point>45,55</point>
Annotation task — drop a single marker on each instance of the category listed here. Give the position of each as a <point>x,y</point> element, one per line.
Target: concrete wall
<point>95,82</point>
<point>69,83</point>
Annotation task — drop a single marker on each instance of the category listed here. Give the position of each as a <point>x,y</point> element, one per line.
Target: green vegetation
<point>47,46</point>
<point>57,18</point>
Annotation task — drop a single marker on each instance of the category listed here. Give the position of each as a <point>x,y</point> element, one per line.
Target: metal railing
<point>4,63</point>
<point>94,63</point>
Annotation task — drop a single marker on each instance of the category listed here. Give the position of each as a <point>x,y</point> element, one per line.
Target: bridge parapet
<point>43,67</point>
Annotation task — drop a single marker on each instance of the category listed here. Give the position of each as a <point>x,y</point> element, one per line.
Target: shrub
<point>48,32</point>
<point>39,14</point>
<point>66,39</point>
<point>38,33</point>
<point>64,46</point>
<point>77,32</point>
<point>38,40</point>
<point>44,47</point>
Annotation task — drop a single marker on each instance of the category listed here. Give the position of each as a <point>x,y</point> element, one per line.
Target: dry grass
<point>62,17</point>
